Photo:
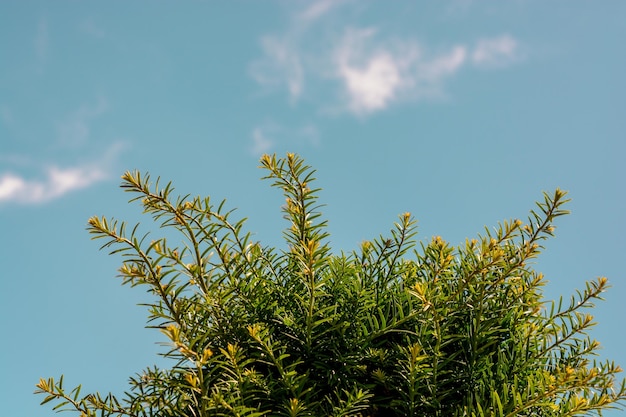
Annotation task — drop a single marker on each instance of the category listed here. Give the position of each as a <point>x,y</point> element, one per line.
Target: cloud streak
<point>368,71</point>
<point>268,135</point>
<point>55,182</point>
<point>496,52</point>
<point>317,9</point>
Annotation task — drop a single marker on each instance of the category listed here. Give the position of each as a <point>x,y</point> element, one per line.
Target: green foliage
<point>387,330</point>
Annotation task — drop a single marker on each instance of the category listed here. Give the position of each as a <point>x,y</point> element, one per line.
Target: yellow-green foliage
<point>387,330</point>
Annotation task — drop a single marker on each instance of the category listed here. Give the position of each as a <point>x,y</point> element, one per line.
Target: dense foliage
<point>390,329</point>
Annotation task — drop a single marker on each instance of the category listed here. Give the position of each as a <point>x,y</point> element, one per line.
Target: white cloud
<point>376,74</point>
<point>373,86</point>
<point>56,181</point>
<point>35,180</point>
<point>372,70</point>
<point>370,81</point>
<point>496,52</point>
<point>10,185</point>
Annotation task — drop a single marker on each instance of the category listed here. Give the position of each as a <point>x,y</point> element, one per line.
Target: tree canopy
<point>393,328</point>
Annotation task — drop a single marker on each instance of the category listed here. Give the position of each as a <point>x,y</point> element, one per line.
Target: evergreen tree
<point>391,329</point>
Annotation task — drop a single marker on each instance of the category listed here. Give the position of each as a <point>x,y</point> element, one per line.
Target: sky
<point>461,112</point>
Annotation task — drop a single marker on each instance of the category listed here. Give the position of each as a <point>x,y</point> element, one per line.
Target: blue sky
<point>461,112</point>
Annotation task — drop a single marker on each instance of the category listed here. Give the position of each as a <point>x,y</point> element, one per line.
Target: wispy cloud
<point>496,52</point>
<point>371,69</point>
<point>55,181</point>
<point>281,68</point>
<point>376,74</point>
<point>75,128</point>
<point>269,135</point>
<point>261,143</point>
<point>317,9</point>
<point>443,65</point>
